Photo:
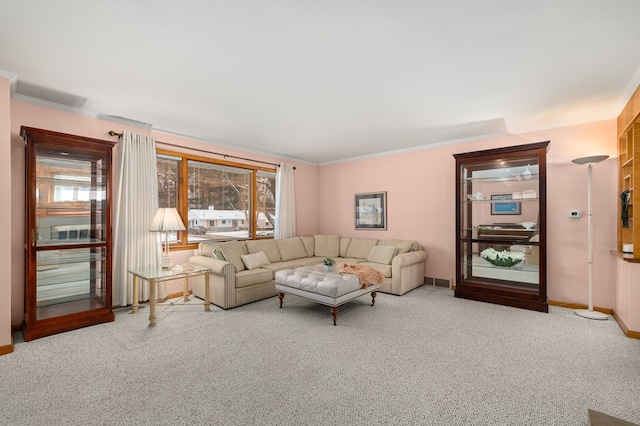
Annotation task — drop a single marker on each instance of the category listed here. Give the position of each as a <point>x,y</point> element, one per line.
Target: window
<point>218,200</point>
<point>219,194</point>
<point>265,204</point>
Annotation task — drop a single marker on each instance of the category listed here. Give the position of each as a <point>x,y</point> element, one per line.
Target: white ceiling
<point>324,80</point>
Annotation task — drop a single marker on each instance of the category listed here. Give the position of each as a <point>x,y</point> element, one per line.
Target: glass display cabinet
<point>68,232</point>
<point>500,226</point>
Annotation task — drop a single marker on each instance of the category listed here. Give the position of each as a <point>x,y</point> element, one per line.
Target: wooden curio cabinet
<point>500,226</point>
<point>68,232</point>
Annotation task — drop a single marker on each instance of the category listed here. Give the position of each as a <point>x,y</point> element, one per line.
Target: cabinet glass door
<point>500,222</point>
<point>69,238</point>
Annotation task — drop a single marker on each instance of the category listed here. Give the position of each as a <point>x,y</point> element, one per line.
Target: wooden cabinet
<point>629,179</point>
<point>500,226</point>
<point>68,232</point>
<point>627,310</point>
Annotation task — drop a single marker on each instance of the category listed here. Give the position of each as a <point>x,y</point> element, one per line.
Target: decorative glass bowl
<point>505,259</point>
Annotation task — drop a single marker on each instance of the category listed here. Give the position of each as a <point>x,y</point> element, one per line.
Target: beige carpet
<point>425,358</point>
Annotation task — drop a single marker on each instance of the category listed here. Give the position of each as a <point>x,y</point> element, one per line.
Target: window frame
<point>183,188</point>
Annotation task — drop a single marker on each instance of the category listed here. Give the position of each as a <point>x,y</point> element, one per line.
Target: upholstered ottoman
<point>327,288</point>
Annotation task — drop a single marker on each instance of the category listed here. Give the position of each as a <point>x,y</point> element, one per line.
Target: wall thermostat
<point>575,213</point>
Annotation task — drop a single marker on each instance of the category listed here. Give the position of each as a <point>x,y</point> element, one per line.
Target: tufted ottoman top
<point>315,280</point>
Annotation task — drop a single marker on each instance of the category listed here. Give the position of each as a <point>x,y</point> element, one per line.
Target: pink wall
<point>421,204</point>
<point>5,214</point>
<point>420,191</point>
<point>24,114</point>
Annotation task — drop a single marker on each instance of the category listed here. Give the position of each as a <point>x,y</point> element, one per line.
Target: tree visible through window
<point>266,204</point>
<point>217,201</point>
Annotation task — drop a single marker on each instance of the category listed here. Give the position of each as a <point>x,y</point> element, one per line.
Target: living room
<point>377,97</point>
<point>418,178</point>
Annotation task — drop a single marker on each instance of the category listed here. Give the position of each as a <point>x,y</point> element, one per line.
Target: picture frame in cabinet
<point>499,207</point>
<point>371,210</point>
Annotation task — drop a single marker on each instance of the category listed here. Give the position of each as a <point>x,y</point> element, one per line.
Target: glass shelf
<point>62,257</point>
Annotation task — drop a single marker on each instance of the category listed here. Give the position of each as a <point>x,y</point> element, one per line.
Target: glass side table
<point>155,275</point>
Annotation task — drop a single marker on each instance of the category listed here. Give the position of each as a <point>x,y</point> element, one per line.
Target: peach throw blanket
<point>365,274</point>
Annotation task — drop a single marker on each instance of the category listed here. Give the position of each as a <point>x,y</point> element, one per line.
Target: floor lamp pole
<point>590,313</point>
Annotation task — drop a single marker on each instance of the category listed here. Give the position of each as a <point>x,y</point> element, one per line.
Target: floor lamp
<point>590,313</point>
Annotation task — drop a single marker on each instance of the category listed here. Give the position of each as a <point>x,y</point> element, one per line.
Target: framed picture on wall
<point>371,210</point>
<point>498,206</point>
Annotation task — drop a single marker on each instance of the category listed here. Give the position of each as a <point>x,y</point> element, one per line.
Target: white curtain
<point>136,203</point>
<point>285,203</point>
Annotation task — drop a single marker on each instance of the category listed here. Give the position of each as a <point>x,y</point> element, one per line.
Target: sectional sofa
<point>244,271</point>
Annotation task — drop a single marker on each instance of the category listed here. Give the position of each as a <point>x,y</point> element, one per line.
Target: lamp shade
<point>167,219</point>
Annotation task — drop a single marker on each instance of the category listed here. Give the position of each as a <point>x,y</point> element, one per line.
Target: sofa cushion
<point>210,249</point>
<point>309,245</point>
<point>403,246</point>
<point>360,247</point>
<point>291,248</point>
<point>382,254</point>
<point>255,260</point>
<point>289,264</point>
<point>268,246</point>
<point>254,276</point>
<point>233,251</point>
<point>385,270</point>
<point>327,245</point>
<point>344,245</point>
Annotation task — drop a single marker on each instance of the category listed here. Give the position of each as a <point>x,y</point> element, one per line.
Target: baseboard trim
<point>629,333</point>
<point>570,305</point>
<point>7,349</point>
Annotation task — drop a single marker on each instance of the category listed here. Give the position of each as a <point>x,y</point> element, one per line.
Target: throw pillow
<point>402,245</point>
<point>382,254</point>
<point>232,251</point>
<point>255,260</point>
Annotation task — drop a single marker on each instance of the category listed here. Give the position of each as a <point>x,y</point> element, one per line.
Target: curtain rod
<point>112,133</point>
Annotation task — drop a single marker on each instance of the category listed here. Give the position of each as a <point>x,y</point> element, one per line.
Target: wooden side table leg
<point>136,292</point>
<point>334,313</point>
<point>207,297</point>
<point>153,284</point>
<point>373,298</point>
<point>280,296</point>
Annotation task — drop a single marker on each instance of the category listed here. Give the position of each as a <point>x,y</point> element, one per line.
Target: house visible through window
<point>75,190</point>
<point>218,200</point>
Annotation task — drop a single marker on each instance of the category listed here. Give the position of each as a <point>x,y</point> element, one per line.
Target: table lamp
<point>167,220</point>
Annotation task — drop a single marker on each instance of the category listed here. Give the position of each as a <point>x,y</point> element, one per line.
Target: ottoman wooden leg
<point>373,297</point>
<point>334,312</point>
<point>280,296</point>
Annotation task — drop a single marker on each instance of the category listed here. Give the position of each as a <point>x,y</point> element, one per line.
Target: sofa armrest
<point>407,271</point>
<point>222,281</point>
<point>217,266</point>
<point>409,258</point>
